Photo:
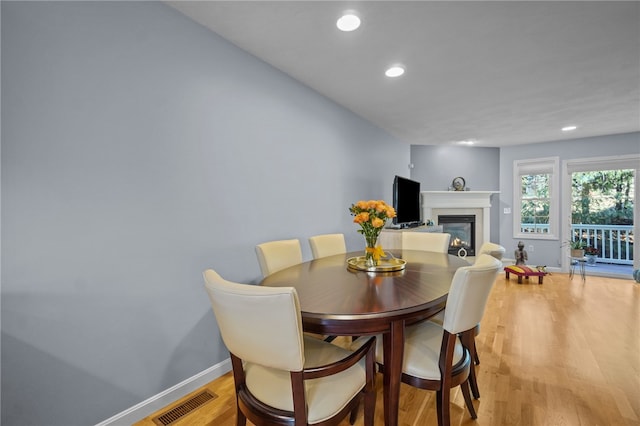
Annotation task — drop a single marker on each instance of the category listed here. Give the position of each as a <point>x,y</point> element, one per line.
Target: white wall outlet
<point>531,249</point>
<point>507,210</point>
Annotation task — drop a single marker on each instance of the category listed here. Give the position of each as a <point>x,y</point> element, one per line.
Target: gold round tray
<point>385,265</point>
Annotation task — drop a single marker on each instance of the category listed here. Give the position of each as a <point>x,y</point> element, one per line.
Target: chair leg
<point>473,378</point>
<point>442,404</point>
<point>469,341</point>
<point>369,407</point>
<point>473,381</point>
<point>241,419</point>
<point>467,399</point>
<point>476,358</point>
<point>354,413</point>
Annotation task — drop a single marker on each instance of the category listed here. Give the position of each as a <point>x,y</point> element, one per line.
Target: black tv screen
<point>406,201</point>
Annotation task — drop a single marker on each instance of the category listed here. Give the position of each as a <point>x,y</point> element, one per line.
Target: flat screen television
<point>406,202</point>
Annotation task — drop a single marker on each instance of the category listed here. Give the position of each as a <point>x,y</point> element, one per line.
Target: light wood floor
<point>561,353</point>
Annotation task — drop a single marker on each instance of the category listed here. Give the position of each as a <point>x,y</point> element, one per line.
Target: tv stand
<point>391,238</point>
<point>405,225</point>
<point>411,225</point>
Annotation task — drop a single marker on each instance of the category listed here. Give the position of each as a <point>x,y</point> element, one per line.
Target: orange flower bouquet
<point>372,215</point>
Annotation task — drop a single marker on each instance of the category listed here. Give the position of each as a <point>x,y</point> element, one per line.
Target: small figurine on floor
<point>543,268</point>
<point>521,254</point>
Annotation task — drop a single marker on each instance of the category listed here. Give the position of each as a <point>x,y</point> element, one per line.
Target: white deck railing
<point>614,242</point>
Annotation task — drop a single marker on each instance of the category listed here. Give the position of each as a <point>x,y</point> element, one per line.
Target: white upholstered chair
<point>427,241</point>
<point>435,357</point>
<point>281,376</point>
<point>327,245</point>
<point>496,251</point>
<point>274,256</point>
<point>492,249</point>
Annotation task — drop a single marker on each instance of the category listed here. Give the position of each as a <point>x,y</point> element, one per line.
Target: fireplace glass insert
<point>462,229</point>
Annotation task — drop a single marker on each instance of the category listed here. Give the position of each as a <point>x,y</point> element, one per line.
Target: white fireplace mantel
<point>440,201</point>
<point>457,199</point>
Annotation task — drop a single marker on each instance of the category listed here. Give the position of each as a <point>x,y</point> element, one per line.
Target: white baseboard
<point>157,402</point>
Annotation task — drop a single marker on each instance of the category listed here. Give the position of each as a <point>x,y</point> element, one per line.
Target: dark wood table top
<point>334,297</point>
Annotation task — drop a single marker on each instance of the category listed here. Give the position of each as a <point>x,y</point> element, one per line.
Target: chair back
<point>261,325</point>
<point>327,245</point>
<point>427,241</point>
<point>468,294</point>
<point>274,256</point>
<point>492,249</point>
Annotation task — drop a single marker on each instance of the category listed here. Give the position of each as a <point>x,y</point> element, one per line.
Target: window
<point>536,198</point>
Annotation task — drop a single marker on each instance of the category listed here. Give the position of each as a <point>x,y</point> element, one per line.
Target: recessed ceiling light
<point>467,142</point>
<point>569,128</point>
<point>394,71</point>
<point>348,22</point>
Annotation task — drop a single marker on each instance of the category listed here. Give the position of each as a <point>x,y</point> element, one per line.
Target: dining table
<point>340,300</point>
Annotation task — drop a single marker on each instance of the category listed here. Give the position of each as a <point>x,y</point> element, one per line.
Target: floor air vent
<point>185,408</point>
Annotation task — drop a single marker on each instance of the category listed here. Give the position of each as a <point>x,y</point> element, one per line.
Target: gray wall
<point>139,149</point>
<point>549,252</point>
<point>435,167</point>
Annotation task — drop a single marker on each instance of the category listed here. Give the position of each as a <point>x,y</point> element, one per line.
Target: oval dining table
<point>338,300</point>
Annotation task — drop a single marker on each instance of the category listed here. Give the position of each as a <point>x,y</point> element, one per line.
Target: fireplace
<point>462,229</point>
<point>477,203</point>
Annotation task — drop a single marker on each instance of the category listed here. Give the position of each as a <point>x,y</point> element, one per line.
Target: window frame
<point>550,166</point>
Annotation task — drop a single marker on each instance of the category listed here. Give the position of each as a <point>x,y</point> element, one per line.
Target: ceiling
<point>500,73</point>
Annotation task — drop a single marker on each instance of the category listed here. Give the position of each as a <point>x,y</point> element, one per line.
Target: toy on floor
<point>543,268</point>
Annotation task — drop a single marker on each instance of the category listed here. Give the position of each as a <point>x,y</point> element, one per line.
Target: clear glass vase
<point>369,258</point>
